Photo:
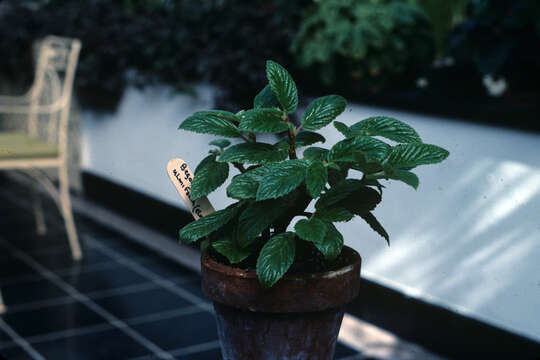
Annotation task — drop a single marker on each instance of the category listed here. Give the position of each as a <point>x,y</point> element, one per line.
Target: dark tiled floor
<point>112,305</point>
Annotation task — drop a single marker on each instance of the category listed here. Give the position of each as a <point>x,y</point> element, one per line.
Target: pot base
<point>269,336</point>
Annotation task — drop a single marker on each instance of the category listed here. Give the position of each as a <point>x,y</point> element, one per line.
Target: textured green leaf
<point>334,214</point>
<point>343,129</point>
<point>361,200</point>
<point>348,149</point>
<point>407,177</point>
<point>282,85</point>
<point>282,145</point>
<point>263,120</point>
<point>313,230</point>
<point>332,243</point>
<point>255,218</point>
<point>281,179</point>
<point>209,175</point>
<point>337,173</point>
<point>220,143</point>
<point>252,153</point>
<point>227,247</point>
<point>316,179</point>
<point>244,186</point>
<point>387,127</point>
<point>275,258</point>
<point>216,122</point>
<point>306,138</point>
<point>207,224</point>
<point>411,155</point>
<point>265,98</point>
<point>376,225</point>
<point>338,192</point>
<point>315,153</point>
<point>322,111</point>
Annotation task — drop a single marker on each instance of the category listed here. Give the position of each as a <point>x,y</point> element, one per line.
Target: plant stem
<point>292,142</point>
<point>239,167</point>
<point>377,175</point>
<point>307,213</point>
<point>246,139</point>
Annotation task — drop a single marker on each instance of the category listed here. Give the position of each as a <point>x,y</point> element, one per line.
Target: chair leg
<point>41,227</point>
<point>2,306</point>
<point>65,208</point>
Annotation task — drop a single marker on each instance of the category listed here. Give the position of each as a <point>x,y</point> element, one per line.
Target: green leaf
<point>265,99</point>
<point>282,86</point>
<point>220,143</point>
<point>361,200</point>
<point>338,192</point>
<point>411,155</point>
<point>322,111</point>
<point>216,122</point>
<point>313,230</point>
<point>337,173</point>
<point>407,177</point>
<point>255,218</point>
<point>209,175</point>
<point>276,257</point>
<point>376,225</point>
<point>332,243</point>
<point>263,120</point>
<point>305,138</point>
<point>315,153</point>
<point>334,214</point>
<point>252,153</point>
<point>227,247</point>
<point>316,179</point>
<point>244,186</point>
<point>207,224</point>
<point>281,179</point>
<point>387,127</point>
<point>343,129</point>
<point>348,149</point>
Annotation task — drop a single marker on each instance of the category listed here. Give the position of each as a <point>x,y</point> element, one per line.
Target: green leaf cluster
<point>363,43</point>
<point>276,185</point>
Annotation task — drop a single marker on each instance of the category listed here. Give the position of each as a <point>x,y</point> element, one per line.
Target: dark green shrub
<point>172,42</point>
<point>368,41</point>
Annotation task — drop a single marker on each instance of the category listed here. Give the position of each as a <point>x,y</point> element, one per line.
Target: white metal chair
<point>44,143</point>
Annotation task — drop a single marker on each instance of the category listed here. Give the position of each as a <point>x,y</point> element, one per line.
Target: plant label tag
<point>182,177</point>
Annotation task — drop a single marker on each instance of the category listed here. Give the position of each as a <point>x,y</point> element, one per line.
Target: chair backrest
<point>53,84</point>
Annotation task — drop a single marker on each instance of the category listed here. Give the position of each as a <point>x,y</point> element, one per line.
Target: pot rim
<point>212,264</point>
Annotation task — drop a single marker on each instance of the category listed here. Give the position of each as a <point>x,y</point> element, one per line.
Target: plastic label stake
<point>182,177</point>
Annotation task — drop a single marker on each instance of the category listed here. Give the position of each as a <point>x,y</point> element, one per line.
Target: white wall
<point>468,239</point>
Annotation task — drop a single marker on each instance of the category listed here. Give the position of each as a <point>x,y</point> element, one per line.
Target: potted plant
<point>278,289</point>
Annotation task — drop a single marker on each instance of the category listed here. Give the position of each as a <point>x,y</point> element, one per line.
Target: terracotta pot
<point>298,318</point>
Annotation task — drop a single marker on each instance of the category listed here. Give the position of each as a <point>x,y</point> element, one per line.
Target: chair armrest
<point>9,100</point>
<point>26,109</point>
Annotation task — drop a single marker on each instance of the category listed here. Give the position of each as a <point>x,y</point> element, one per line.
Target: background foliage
<point>368,42</point>
<point>356,46</point>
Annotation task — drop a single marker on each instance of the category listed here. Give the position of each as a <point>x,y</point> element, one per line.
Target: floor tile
<point>30,291</point>
<point>63,259</point>
<point>12,268</point>
<point>142,303</point>
<point>108,344</point>
<point>188,330</point>
<point>14,353</point>
<point>104,279</point>
<point>52,319</point>
<point>214,354</point>
<point>194,287</point>
<point>165,268</point>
